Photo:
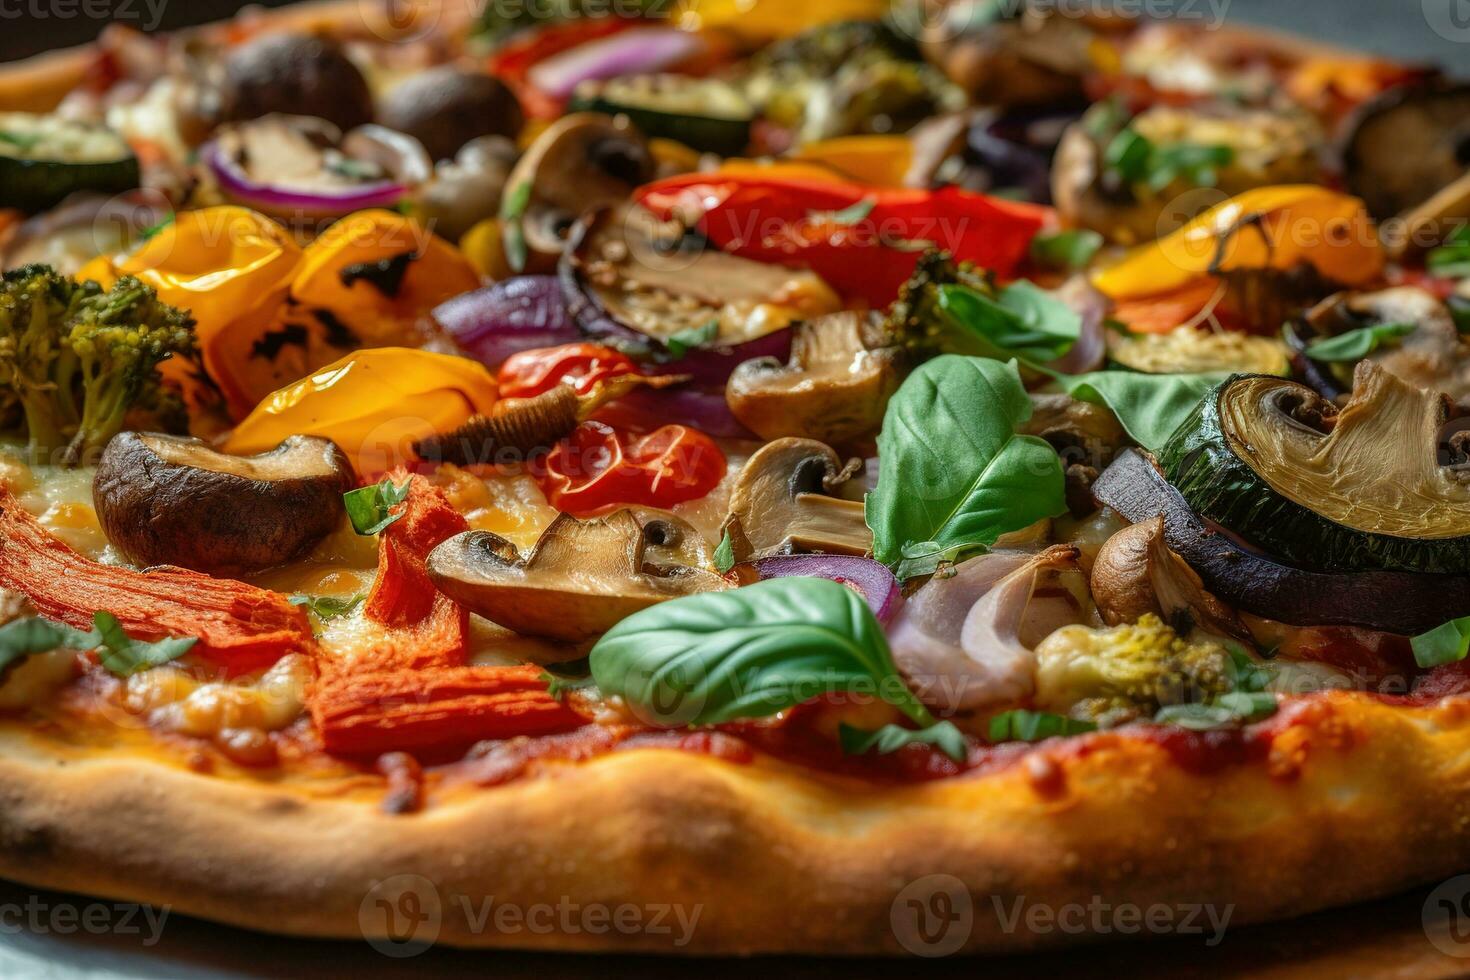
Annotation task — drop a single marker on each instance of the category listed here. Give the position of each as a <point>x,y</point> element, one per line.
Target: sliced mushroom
<point>298,73</point>
<point>782,504</point>
<point>581,163</point>
<point>1135,573</point>
<point>1079,431</point>
<point>1408,144</point>
<point>169,500</point>
<point>1030,59</point>
<point>581,578</point>
<point>1431,223</point>
<point>834,389</point>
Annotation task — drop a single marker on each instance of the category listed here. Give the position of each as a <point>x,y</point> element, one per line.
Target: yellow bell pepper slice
<point>431,271</point>
<point>1301,222</point>
<point>882,161</point>
<point>374,404</point>
<point>768,20</point>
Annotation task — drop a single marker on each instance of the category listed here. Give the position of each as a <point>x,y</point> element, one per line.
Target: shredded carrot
<point>411,691</point>
<point>239,626</point>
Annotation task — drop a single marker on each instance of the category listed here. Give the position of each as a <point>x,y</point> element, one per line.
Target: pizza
<point>817,477</point>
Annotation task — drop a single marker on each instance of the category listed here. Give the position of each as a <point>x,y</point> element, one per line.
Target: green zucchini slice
<point>703,113</point>
<point>1384,483</point>
<point>43,159</point>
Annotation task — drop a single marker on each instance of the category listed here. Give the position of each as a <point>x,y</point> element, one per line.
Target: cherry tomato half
<point>532,372</point>
<point>598,467</point>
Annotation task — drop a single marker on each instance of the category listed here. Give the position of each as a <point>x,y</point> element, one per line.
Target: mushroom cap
<point>295,73</point>
<point>582,577</point>
<point>447,106</point>
<point>170,500</point>
<point>1408,144</point>
<point>781,503</point>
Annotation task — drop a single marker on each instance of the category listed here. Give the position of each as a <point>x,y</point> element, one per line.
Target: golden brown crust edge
<point>1359,801</point>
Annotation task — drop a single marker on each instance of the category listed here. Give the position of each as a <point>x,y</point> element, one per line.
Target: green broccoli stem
<point>105,407</point>
<point>48,434</point>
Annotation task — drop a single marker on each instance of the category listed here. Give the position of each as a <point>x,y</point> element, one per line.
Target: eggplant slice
<point>1406,603</point>
<point>1407,145</point>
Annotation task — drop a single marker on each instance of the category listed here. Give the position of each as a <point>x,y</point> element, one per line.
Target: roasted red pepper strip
<point>534,372</point>
<point>240,627</point>
<point>411,690</point>
<point>435,711</point>
<point>597,467</point>
<point>862,240</point>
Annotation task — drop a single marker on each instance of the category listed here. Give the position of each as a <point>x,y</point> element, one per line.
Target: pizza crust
<point>1357,799</point>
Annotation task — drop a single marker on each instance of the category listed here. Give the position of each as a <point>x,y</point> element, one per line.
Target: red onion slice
<point>871,578</point>
<point>524,313</point>
<point>638,51</point>
<point>241,189</point>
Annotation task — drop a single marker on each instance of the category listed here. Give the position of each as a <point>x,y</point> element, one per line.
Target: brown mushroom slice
<point>580,163</point>
<point>581,579</point>
<point>169,500</point>
<point>447,106</point>
<point>1434,357</point>
<point>1408,144</point>
<point>834,389</point>
<point>1135,573</point>
<point>781,504</point>
<point>299,73</point>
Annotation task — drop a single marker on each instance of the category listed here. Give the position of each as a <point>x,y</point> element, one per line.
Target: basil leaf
<point>573,676</point>
<point>1227,709</point>
<point>748,653</point>
<point>1357,344</point>
<point>684,341</point>
<point>370,508</point>
<point>328,606</point>
<point>890,738</point>
<point>1022,320</point>
<point>1444,644</point>
<point>1128,155</point>
<point>1460,312</point>
<point>124,656</point>
<point>1245,674</point>
<point>1148,406</point>
<point>1137,160</point>
<point>1066,250</point>
<point>951,468</point>
<point>22,638</point>
<point>725,554</point>
<point>1020,725</point>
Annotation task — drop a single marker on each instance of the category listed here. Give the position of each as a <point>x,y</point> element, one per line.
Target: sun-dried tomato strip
<point>239,626</point>
<point>411,691</point>
<point>434,710</point>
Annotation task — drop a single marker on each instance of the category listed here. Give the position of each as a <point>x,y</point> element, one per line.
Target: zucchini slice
<point>1382,484</point>
<point>43,159</point>
<point>703,113</point>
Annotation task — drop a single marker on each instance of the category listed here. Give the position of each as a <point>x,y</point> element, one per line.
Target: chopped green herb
<point>1444,644</point>
<point>890,738</point>
<point>329,606</point>
<point>152,230</point>
<point>512,210</point>
<point>725,555</point>
<point>125,656</point>
<point>1136,159</point>
<point>849,215</point>
<point>1452,259</point>
<point>1021,725</point>
<point>684,341</point>
<point>1227,709</point>
<point>1066,250</point>
<point>1358,344</point>
<point>371,508</point>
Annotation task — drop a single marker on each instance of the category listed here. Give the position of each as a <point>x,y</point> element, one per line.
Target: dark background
<point>1391,27</point>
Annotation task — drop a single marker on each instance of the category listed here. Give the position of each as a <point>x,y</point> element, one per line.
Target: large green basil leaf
<point>1021,321</point>
<point>1149,406</point>
<point>953,475</point>
<point>748,653</point>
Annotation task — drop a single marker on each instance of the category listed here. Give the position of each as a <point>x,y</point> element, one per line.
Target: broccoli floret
<point>915,320</point>
<point>76,358</point>
<point>1129,671</point>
